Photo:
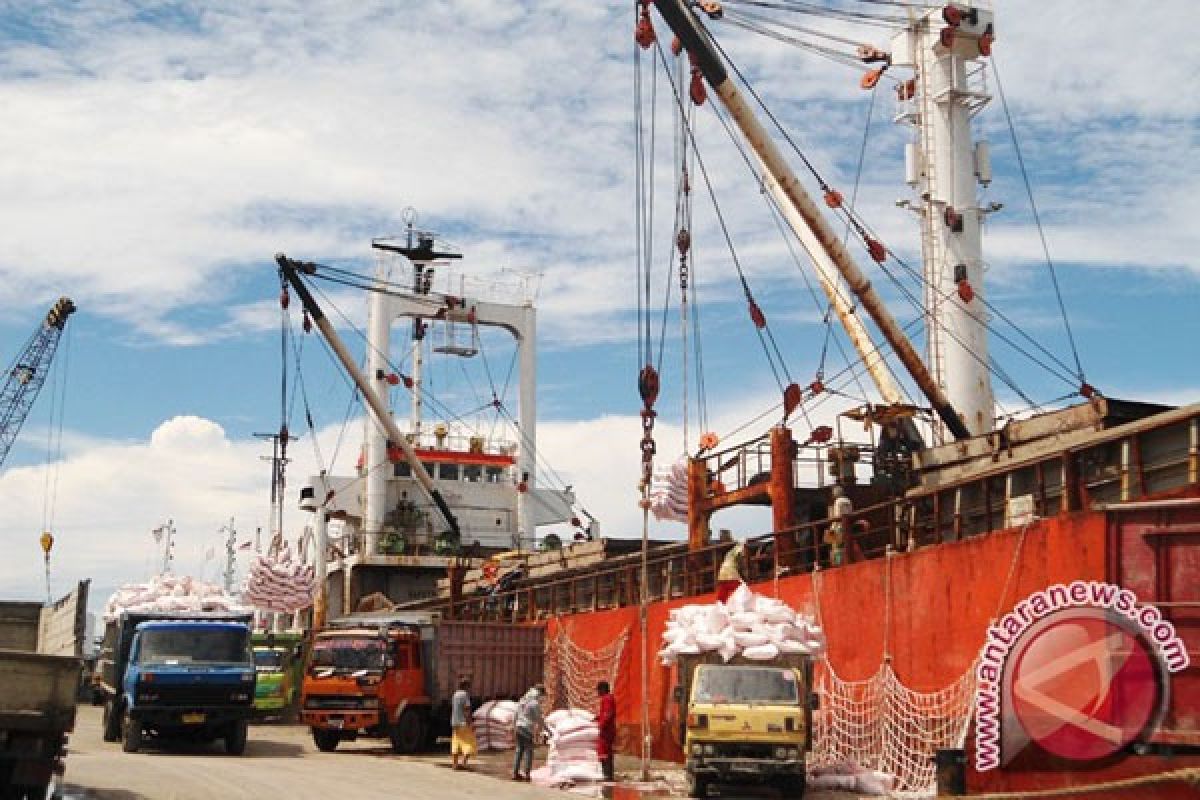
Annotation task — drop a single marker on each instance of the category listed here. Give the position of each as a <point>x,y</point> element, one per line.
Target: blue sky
<point>156,156</point>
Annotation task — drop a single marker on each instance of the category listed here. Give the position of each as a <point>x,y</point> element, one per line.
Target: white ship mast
<point>945,48</point>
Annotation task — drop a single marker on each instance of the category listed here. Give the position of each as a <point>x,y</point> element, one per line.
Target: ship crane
<point>291,270</point>
<point>784,183</point>
<point>24,379</point>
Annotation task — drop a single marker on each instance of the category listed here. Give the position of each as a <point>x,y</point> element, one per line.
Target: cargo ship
<point>948,558</point>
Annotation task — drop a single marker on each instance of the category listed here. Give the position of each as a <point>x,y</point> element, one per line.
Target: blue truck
<point>177,676</point>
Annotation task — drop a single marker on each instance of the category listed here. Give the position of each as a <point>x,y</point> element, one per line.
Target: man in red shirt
<point>606,721</point>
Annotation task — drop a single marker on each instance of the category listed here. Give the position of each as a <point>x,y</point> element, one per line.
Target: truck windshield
<point>748,685</point>
<point>346,652</point>
<point>267,660</point>
<point>192,645</point>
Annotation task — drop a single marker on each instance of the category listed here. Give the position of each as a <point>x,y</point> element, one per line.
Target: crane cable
<point>1038,222</point>
<point>766,337</point>
<point>54,449</point>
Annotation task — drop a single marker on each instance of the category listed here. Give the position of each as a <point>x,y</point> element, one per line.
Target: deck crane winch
<point>24,378</point>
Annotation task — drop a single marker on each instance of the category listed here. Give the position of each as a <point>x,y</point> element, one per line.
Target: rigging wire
<point>767,340</point>
<point>1038,221</point>
<point>853,218</point>
<point>825,12</point>
<point>54,433</point>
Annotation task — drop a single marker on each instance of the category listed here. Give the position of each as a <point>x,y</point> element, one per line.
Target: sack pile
<point>752,626</point>
<point>851,777</point>
<point>669,492</point>
<point>494,723</point>
<point>170,594</point>
<point>279,584</point>
<point>572,757</point>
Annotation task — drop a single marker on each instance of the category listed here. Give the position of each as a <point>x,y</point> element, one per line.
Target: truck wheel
<point>235,738</point>
<point>408,733</point>
<point>112,722</point>
<point>326,741</point>
<point>132,739</point>
<point>697,786</point>
<point>792,786</point>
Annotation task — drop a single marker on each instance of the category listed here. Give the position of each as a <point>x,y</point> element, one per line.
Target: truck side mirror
<point>677,693</point>
<point>298,652</point>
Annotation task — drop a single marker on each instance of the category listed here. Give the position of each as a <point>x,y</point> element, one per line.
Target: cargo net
<point>879,724</point>
<point>572,672</point>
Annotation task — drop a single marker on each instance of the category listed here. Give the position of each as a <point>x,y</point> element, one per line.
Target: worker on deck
<point>839,526</point>
<point>729,577</point>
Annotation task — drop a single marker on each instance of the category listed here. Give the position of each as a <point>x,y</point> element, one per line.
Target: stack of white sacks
<point>752,626</point>
<point>572,755</point>
<point>168,593</point>
<point>277,583</point>
<point>494,723</point>
<point>669,492</point>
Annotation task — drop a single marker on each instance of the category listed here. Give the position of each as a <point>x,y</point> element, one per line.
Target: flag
<point>245,545</point>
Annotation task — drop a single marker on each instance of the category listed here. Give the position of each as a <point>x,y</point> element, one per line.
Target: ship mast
<point>944,48</point>
<point>685,25</point>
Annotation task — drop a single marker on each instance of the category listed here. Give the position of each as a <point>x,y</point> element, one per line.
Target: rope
<point>1038,221</point>
<point>723,225</point>
<point>1188,775</point>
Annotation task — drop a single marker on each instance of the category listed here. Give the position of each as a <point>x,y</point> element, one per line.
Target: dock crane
<point>24,378</point>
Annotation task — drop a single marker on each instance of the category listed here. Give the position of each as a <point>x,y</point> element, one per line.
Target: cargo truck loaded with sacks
<point>744,685</point>
<point>177,675</point>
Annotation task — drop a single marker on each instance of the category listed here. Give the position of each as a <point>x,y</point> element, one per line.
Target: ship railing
<point>1152,458</point>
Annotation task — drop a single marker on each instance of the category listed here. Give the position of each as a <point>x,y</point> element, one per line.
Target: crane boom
<point>23,380</point>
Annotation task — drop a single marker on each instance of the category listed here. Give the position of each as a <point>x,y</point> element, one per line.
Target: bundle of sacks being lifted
<point>277,583</point>
<point>753,626</point>
<point>494,723</point>
<point>168,593</point>
<point>572,756</point>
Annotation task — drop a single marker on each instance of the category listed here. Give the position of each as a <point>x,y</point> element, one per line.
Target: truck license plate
<point>336,722</point>
<point>194,718</point>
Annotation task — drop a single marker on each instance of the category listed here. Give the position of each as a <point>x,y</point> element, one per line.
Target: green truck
<point>279,668</point>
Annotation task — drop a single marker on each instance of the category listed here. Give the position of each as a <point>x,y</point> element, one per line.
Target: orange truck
<point>391,675</point>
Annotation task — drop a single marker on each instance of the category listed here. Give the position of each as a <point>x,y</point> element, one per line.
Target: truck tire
<point>697,786</point>
<point>408,734</point>
<point>791,786</point>
<point>325,740</point>
<point>112,721</point>
<point>131,739</point>
<point>235,738</point>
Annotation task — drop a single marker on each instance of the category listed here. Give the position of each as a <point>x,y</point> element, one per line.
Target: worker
<point>729,577</point>
<point>606,721</point>
<point>529,724</point>
<point>839,525</point>
<point>462,735</point>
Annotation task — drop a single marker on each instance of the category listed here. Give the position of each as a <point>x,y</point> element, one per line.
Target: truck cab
<point>367,681</point>
<point>185,678</point>
<point>279,670</point>
<point>746,722</point>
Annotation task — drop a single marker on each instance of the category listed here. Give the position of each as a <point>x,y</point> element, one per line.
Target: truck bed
<point>501,660</point>
<point>37,692</point>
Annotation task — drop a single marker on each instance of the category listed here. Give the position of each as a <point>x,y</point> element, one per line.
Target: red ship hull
<point>928,612</point>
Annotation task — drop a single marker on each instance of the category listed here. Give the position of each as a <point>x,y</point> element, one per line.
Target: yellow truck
<point>746,721</point>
